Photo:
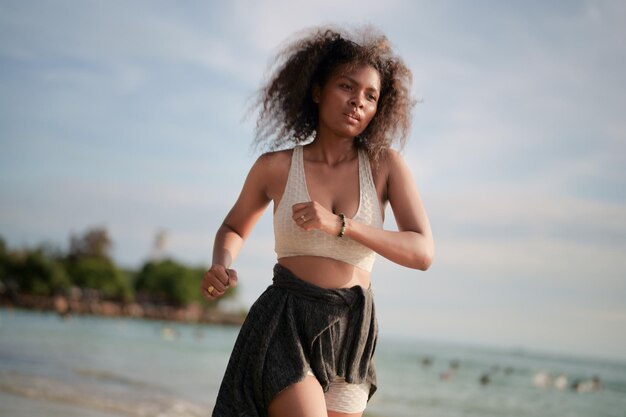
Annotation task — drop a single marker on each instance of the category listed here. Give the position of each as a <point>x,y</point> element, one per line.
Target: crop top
<point>291,240</point>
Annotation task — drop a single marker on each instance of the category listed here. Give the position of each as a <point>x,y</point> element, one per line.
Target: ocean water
<point>103,367</point>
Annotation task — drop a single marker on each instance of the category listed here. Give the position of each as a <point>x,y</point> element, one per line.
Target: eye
<point>346,86</point>
<point>371,97</point>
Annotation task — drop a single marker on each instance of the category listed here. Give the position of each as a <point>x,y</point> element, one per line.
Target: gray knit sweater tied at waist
<point>295,326</point>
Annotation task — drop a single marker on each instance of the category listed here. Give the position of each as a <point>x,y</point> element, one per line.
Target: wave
<point>111,377</point>
<point>142,403</point>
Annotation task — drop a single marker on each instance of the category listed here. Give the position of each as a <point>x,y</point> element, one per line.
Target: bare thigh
<point>302,399</point>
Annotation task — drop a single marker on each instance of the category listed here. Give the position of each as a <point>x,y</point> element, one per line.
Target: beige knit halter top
<point>291,240</point>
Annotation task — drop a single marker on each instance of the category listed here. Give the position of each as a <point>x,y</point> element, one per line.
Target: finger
<point>232,275</point>
<point>300,215</point>
<point>209,296</point>
<point>213,296</point>
<point>213,286</point>
<point>301,221</point>
<point>300,206</point>
<point>213,290</point>
<point>211,278</point>
<point>222,275</point>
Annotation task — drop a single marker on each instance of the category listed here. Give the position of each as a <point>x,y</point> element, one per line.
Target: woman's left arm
<point>411,246</point>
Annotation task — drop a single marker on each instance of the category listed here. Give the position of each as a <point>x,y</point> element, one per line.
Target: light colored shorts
<point>343,397</point>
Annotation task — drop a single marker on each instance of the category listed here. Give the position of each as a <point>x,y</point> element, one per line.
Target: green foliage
<point>94,243</point>
<point>3,260</point>
<point>102,275</point>
<point>47,271</point>
<point>35,272</point>
<point>169,282</point>
<point>90,266</point>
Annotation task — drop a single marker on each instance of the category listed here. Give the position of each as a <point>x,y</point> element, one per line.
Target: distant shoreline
<point>67,308</point>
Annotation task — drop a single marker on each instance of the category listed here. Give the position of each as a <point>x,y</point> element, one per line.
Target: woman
<point>306,348</point>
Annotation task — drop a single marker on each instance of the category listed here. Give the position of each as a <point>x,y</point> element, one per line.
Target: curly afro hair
<point>287,115</point>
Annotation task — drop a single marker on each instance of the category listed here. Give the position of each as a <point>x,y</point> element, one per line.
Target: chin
<point>350,133</point>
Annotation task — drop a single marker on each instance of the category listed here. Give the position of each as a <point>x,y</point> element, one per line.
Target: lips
<point>354,116</point>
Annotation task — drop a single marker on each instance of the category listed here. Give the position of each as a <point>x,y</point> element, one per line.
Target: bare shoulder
<point>276,157</point>
<point>389,162</point>
<point>273,167</point>
<point>273,163</point>
<point>392,157</point>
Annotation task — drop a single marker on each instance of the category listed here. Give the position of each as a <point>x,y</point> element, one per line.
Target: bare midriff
<point>326,272</point>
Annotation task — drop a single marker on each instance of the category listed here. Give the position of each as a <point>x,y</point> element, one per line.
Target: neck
<point>332,149</point>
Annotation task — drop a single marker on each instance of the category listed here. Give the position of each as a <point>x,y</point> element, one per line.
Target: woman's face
<point>348,100</point>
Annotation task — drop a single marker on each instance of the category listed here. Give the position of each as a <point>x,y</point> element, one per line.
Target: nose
<point>356,101</point>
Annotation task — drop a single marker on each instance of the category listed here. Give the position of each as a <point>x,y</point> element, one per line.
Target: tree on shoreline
<point>87,265</point>
<point>94,243</point>
<point>170,282</point>
<point>33,272</point>
<point>101,275</point>
<point>90,266</point>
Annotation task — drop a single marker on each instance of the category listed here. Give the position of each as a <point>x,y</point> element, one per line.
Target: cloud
<point>268,24</point>
<point>128,115</point>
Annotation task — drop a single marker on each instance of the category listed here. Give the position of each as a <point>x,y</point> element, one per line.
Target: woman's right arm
<point>236,227</point>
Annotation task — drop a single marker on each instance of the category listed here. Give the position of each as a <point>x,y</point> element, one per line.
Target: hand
<point>313,216</point>
<point>216,281</point>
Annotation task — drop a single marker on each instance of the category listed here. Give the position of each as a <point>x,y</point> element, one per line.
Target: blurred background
<point>127,120</point>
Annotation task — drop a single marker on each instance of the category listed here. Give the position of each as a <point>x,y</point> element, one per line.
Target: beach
<point>92,366</point>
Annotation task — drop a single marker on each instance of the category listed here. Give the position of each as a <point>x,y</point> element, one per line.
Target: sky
<point>132,116</point>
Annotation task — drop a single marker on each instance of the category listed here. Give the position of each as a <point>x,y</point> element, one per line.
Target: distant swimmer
<point>427,361</point>
<point>485,379</point>
<point>595,383</point>
<point>169,333</point>
<point>542,379</point>
<point>446,375</point>
<point>560,382</point>
<point>587,386</point>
